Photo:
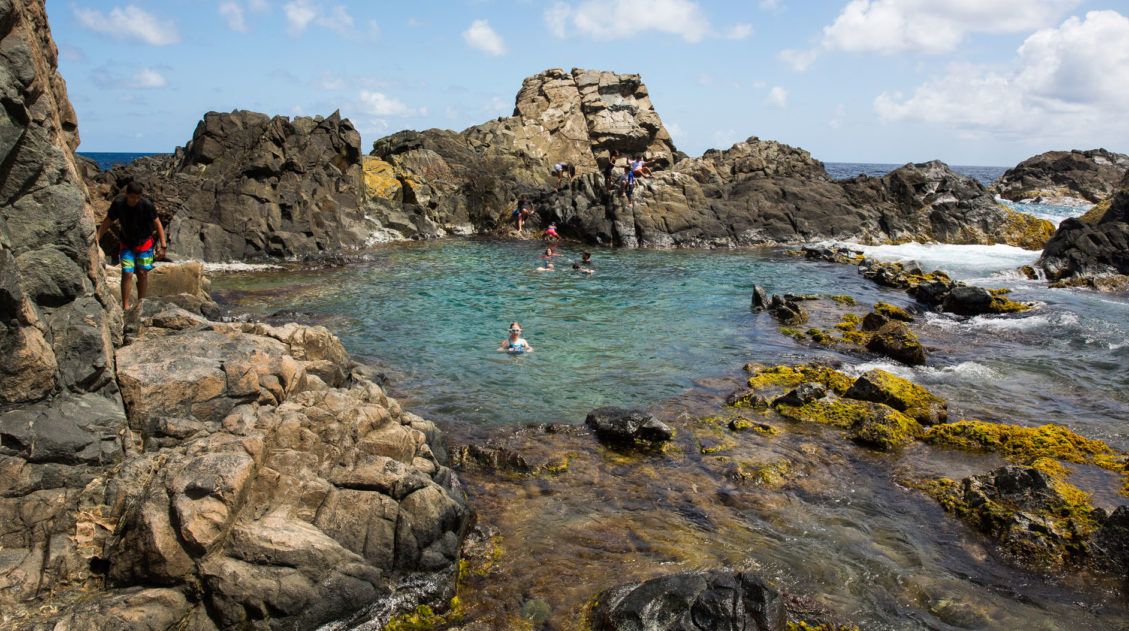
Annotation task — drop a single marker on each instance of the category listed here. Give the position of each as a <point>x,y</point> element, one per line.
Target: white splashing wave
<point>962,261</point>
<point>220,268</point>
<point>964,372</point>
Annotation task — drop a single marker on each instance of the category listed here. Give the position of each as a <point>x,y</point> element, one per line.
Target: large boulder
<point>698,601</point>
<point>248,185</point>
<point>1090,175</point>
<point>624,427</point>
<point>1081,249</point>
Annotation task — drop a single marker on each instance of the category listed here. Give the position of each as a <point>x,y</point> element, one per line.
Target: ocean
<point>107,160</point>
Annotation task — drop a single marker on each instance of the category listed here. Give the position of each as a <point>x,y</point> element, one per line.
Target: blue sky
<point>965,81</point>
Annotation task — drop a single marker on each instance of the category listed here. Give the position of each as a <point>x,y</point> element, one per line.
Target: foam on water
<point>964,372</point>
<point>223,268</point>
<point>961,261</point>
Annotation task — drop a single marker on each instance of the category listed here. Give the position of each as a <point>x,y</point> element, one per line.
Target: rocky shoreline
<point>165,469</point>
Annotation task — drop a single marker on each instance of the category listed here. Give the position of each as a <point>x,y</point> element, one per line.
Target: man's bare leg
<point>127,281</point>
<point>142,285</point>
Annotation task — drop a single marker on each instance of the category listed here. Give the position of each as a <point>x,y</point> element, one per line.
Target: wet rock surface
<point>619,426</point>
<point>690,602</point>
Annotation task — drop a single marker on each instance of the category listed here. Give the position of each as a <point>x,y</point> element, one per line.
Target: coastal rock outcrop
<point>57,319</point>
<point>248,186</point>
<point>1090,175</point>
<point>1083,251</point>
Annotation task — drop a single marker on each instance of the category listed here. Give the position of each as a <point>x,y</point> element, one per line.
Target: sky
<point>970,82</point>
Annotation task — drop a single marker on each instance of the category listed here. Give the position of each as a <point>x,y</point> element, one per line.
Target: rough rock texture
<point>1091,175</point>
<point>249,186</point>
<point>627,427</point>
<point>56,316</point>
<point>1079,249</point>
<point>181,284</point>
<point>715,600</point>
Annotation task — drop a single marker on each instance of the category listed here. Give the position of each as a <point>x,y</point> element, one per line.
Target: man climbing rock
<point>137,221</point>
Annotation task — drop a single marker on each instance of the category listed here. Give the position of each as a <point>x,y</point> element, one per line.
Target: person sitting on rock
<point>137,220</point>
<point>551,233</point>
<point>563,170</point>
<point>515,343</point>
<point>639,167</point>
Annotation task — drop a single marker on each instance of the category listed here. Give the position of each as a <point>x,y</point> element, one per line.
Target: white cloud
<point>625,18</point>
<point>149,78</point>
<point>925,26</point>
<point>232,12</point>
<point>378,104</point>
<point>480,35</point>
<point>330,82</point>
<point>800,60</point>
<point>778,97</point>
<point>771,5</point>
<point>837,117</point>
<point>739,30</point>
<point>1069,82</point>
<point>258,6</point>
<point>300,14</point>
<point>129,23</point>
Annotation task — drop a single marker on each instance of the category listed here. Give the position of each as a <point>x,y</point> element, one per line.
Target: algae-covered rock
<point>1027,444</point>
<point>886,430</point>
<point>903,395</point>
<point>1036,517</point>
<point>803,394</point>
<point>787,377</point>
<point>896,341</point>
<point>893,312</point>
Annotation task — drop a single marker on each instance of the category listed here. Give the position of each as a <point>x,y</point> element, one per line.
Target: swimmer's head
<point>515,328</point>
<point>576,266</point>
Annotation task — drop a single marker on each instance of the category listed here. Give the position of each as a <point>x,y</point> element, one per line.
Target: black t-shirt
<point>136,221</point>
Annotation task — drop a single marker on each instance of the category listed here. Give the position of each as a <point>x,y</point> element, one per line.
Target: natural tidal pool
<point>831,523</point>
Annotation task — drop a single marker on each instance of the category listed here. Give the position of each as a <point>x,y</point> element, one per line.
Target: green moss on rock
<point>893,312</point>
<point>844,299</point>
<point>901,394</point>
<point>771,474</point>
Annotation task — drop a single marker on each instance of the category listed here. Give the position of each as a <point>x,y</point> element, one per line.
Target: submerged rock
<point>701,601</point>
<point>624,427</point>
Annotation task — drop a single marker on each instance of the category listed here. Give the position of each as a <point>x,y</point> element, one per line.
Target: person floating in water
<point>515,344</point>
<point>549,253</point>
<point>137,218</point>
<point>583,270</point>
<point>521,213</point>
<point>547,267</point>
<point>551,233</point>
<point>563,170</point>
<point>586,259</point>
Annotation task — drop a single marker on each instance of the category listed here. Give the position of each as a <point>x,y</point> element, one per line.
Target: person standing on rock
<point>137,221</point>
<point>563,170</point>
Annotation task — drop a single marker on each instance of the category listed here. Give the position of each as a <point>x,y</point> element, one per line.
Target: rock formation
<point>250,186</point>
<point>57,315</point>
<point>1090,175</point>
<point>1094,253</point>
<point>204,475</point>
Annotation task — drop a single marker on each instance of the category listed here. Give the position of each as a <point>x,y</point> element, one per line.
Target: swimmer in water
<point>584,270</point>
<point>515,344</point>
<point>547,268</point>
<point>549,253</point>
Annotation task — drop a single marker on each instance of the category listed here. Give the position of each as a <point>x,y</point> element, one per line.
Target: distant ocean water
<point>108,160</point>
<point>845,170</point>
<point>837,170</point>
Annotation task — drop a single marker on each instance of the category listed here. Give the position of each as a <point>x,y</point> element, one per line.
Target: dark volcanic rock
<point>1110,547</point>
<point>625,427</point>
<point>1092,175</point>
<point>249,186</point>
<point>787,311</point>
<point>1080,249</point>
<point>968,301</point>
<point>760,298</point>
<point>706,601</point>
<point>803,394</point>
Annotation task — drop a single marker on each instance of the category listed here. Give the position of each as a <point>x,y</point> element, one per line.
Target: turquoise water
<point>640,329</point>
<point>651,325</point>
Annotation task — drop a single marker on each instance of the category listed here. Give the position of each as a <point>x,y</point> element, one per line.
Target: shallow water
<point>670,330</point>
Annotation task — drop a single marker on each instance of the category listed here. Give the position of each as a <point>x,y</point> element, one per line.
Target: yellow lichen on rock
<point>1025,231</point>
<point>1095,214</point>
<point>771,474</point>
<point>381,180</point>
<point>1028,445</point>
<point>787,377</point>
